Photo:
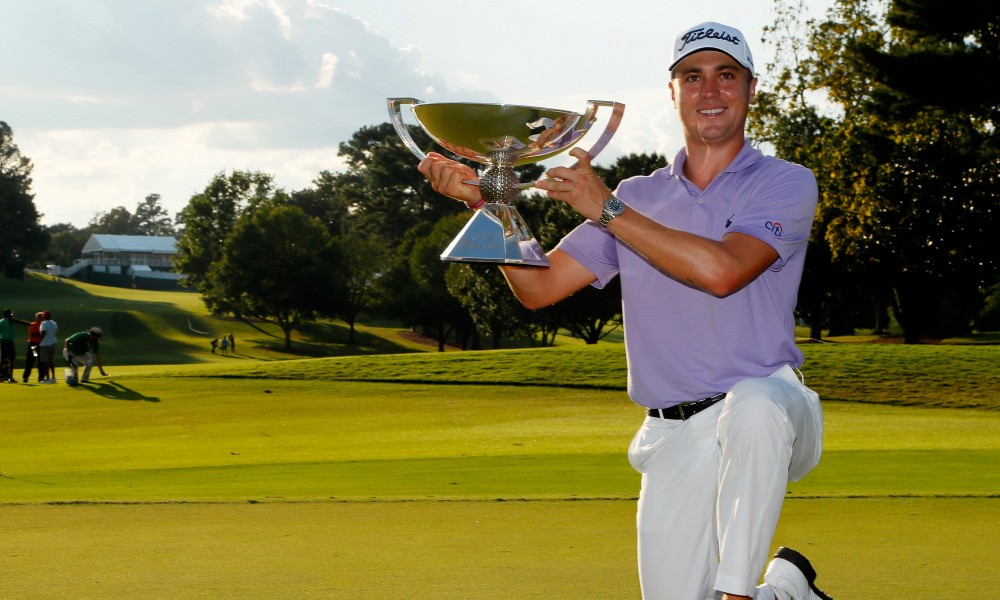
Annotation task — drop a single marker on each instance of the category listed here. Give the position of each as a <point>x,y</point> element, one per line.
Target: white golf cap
<point>712,36</point>
<point>95,331</point>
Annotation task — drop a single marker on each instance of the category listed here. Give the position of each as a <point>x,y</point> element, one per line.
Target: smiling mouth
<point>711,112</point>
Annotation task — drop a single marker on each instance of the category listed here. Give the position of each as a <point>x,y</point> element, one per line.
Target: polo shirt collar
<point>746,158</point>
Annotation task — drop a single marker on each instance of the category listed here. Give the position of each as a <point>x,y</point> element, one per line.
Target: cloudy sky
<point>113,100</point>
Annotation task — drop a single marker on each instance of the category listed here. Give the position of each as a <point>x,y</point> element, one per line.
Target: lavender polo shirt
<point>683,344</point>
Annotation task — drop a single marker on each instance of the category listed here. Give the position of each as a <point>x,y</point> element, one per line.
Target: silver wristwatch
<point>612,208</point>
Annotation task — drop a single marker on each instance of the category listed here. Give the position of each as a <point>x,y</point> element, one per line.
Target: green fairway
<point>212,439</point>
<point>864,548</point>
<point>426,475</point>
<point>191,438</point>
<point>351,489</point>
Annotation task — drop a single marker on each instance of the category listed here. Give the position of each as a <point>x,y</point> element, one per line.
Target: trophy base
<point>496,234</point>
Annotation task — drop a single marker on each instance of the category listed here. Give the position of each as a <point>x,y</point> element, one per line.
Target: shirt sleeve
<point>781,214</point>
<point>593,247</point>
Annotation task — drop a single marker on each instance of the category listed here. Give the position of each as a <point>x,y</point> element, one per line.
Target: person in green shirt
<point>8,352</point>
<point>84,349</point>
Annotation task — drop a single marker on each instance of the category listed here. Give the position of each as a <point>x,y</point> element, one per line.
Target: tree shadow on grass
<point>116,391</point>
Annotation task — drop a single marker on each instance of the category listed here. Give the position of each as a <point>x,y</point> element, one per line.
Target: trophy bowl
<point>500,137</point>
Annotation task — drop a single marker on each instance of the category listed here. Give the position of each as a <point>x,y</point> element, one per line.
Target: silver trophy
<point>500,136</point>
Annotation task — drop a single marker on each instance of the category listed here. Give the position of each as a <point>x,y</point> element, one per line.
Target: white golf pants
<point>85,360</point>
<point>712,486</point>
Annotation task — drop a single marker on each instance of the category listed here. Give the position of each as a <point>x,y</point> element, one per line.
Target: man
<point>8,351</point>
<point>84,349</point>
<point>710,254</point>
<point>31,355</point>
<point>47,349</point>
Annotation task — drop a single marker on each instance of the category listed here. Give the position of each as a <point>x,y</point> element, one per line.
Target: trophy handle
<point>617,110</point>
<point>396,116</point>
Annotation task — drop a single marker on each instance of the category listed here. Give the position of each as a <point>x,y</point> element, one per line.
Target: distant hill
<point>156,327</point>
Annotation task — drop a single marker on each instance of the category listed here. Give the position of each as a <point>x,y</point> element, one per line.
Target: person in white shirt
<point>47,349</point>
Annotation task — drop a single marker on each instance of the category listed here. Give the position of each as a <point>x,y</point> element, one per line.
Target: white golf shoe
<point>791,573</point>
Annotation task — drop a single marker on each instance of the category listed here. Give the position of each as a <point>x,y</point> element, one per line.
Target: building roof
<point>100,242</point>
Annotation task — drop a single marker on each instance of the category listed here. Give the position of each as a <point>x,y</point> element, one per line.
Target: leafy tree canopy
<point>210,216</point>
<point>22,237</point>
<point>957,39</point>
<point>279,265</point>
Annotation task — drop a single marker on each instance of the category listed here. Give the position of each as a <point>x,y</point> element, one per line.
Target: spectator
<point>215,344</point>
<point>47,349</point>
<point>31,355</point>
<point>224,345</point>
<point>8,352</point>
<point>232,343</point>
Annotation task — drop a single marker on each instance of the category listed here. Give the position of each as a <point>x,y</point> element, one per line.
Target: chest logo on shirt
<point>774,227</point>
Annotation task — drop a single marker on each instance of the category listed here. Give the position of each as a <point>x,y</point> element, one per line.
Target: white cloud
<point>327,71</point>
<point>175,163</point>
<point>124,99</point>
<point>116,99</point>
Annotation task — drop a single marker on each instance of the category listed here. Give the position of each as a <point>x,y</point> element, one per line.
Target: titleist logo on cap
<point>711,36</point>
<point>701,33</point>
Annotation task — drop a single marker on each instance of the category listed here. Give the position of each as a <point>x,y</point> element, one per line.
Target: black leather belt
<point>685,410</point>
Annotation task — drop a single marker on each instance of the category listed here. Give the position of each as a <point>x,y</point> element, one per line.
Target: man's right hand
<point>448,177</point>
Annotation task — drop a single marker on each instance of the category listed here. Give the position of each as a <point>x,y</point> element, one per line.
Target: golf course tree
<point>787,118</point>
<point>591,313</point>
<point>958,37</point>
<point>65,243</point>
<point>209,218</point>
<point>117,221</point>
<point>278,265</point>
<point>325,202</point>
<point>483,292</point>
<point>630,165</point>
<point>149,218</point>
<point>947,149</point>
<point>362,262</point>
<point>414,290</point>
<point>365,257</point>
<point>22,237</point>
<point>906,190</point>
<point>385,193</point>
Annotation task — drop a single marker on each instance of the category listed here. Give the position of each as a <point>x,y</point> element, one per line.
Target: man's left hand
<point>579,187</point>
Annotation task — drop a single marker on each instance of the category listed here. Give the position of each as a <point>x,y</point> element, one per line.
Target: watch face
<point>614,206</point>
